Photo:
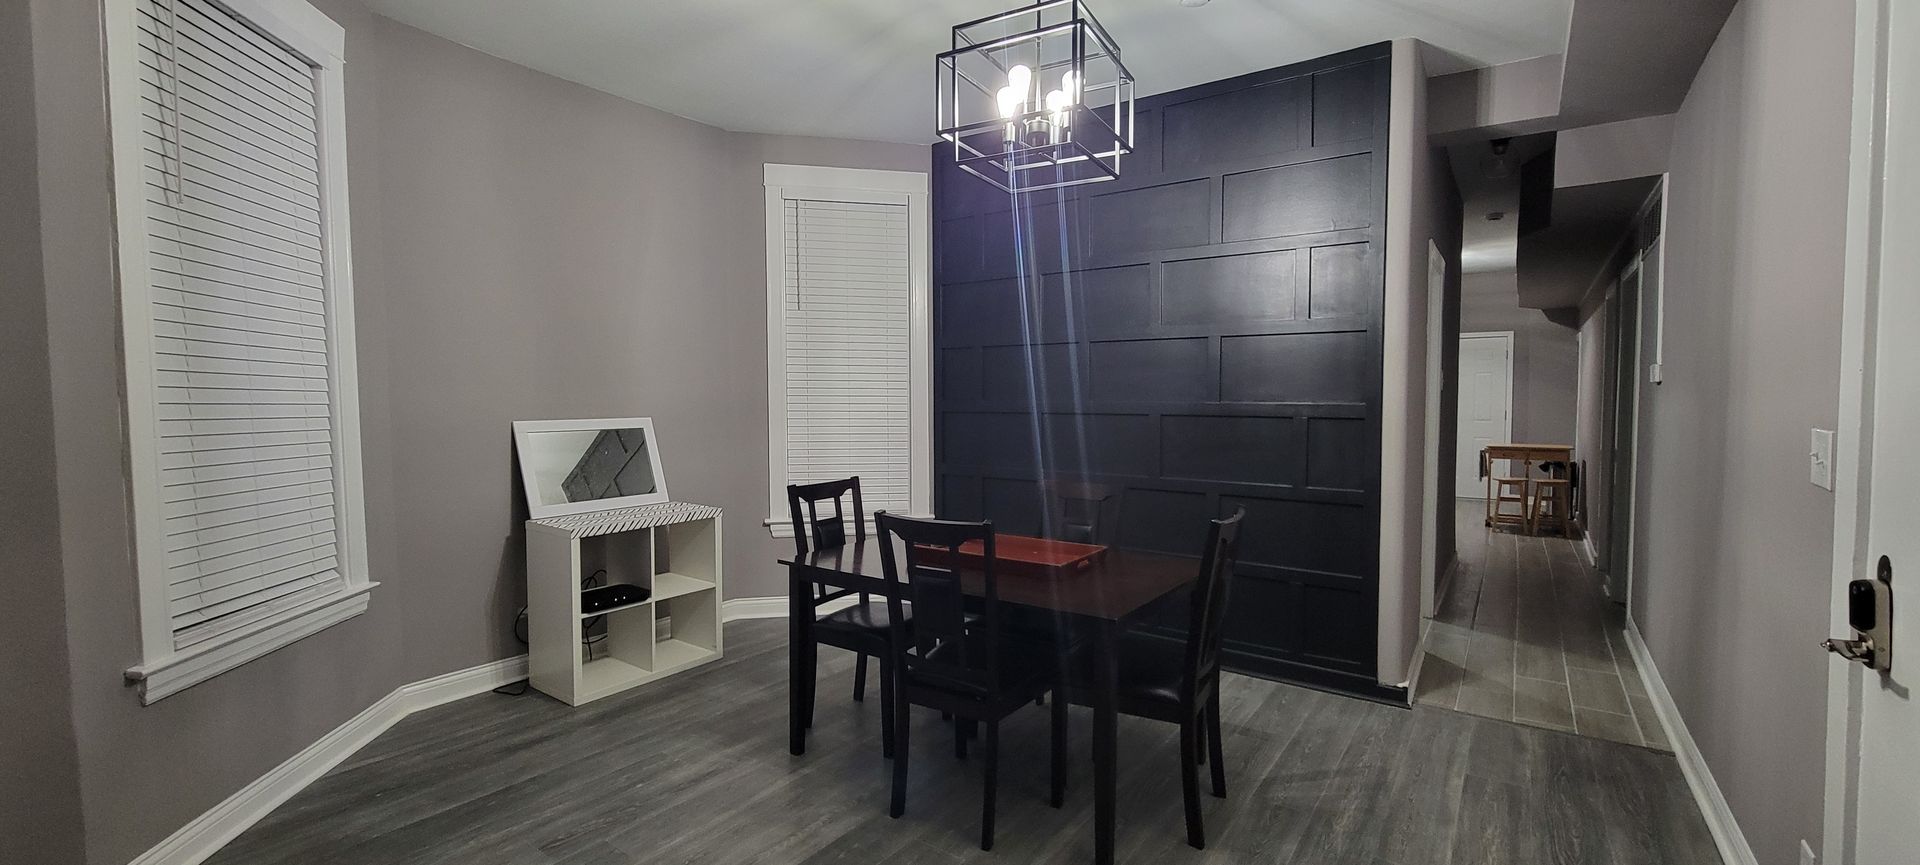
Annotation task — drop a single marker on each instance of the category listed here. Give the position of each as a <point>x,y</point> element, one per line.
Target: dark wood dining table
<point>1101,601</point>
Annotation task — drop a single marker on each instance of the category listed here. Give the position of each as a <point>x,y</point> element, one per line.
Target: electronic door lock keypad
<point>1870,616</point>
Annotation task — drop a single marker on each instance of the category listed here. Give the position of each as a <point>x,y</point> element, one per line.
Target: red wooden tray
<point>1025,556</point>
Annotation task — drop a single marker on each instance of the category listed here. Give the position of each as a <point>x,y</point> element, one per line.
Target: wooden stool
<point>1503,491</point>
<point>1552,500</point>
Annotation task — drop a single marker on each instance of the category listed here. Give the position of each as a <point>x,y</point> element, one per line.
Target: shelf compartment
<point>673,655</point>
<point>668,585</point>
<point>609,675</point>
<point>691,549</point>
<point>695,620</point>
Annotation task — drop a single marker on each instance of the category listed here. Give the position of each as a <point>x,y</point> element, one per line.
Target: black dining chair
<point>1079,511</point>
<point>957,658</point>
<point>862,628</point>
<point>1163,680</point>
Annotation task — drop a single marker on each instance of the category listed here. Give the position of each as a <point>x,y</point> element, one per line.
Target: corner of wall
<point>1403,362</point>
<point>39,766</point>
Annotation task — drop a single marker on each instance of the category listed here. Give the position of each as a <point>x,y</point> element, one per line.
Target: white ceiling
<point>864,68</point>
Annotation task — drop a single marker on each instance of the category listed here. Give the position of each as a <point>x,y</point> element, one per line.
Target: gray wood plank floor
<point>695,770</point>
<point>1525,633</point>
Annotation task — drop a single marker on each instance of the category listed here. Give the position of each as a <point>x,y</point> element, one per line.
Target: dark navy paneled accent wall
<point>1201,335</point>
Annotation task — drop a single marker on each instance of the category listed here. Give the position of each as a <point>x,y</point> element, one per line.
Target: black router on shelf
<point>609,597</point>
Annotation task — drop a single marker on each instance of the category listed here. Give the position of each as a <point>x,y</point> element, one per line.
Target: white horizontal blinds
<point>239,304</point>
<point>846,327</point>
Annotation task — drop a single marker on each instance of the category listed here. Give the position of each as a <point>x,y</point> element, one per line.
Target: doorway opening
<point>1529,627</point>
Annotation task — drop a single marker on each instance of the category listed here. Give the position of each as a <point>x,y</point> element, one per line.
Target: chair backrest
<point>1209,603</point>
<point>1077,510</point>
<point>826,533</point>
<point>930,580</point>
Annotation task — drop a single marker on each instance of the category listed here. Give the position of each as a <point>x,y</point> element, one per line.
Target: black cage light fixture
<point>1036,98</point>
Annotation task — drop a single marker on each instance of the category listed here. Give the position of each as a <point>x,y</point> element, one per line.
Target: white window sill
<point>174,673</point>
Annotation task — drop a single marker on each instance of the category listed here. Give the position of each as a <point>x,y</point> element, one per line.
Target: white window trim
<point>864,186</point>
<point>165,670</point>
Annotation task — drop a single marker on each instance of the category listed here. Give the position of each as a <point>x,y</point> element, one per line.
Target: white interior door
<point>1486,405</point>
<point>1874,723</point>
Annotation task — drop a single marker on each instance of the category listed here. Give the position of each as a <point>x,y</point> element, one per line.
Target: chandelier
<point>1035,98</point>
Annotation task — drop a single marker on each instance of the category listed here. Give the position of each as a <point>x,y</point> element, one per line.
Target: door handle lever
<point>1852,650</point>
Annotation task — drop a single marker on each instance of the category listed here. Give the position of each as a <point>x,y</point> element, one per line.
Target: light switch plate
<point>1820,459</point>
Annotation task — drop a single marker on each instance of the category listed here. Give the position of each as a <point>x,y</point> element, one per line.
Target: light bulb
<point>1009,100</point>
<point>1020,78</point>
<point>1056,101</point>
<point>1070,84</point>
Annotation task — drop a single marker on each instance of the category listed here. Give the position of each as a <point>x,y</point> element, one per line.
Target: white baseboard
<point>1706,793</point>
<point>1445,583</point>
<point>773,607</point>
<point>1419,659</point>
<point>197,840</point>
<point>1586,543</point>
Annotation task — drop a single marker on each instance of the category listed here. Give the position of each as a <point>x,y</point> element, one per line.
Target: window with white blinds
<point>847,329</point>
<point>236,309</point>
<point>846,322</point>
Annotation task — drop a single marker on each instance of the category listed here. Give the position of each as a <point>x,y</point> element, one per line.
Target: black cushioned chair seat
<point>1150,671</point>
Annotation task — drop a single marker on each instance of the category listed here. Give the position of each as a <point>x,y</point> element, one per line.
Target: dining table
<point>1522,459</point>
<point>1098,602</point>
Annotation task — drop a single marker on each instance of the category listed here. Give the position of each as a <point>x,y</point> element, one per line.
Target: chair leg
<point>886,708</point>
<point>992,756</point>
<point>1190,782</point>
<point>902,722</point>
<point>1215,745</point>
<point>812,678</point>
<point>860,678</point>
<point>1059,751</point>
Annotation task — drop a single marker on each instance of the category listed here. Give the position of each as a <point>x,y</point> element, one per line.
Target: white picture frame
<point>545,460</point>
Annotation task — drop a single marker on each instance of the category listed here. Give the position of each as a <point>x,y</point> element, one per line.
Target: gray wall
<point>552,251</point>
<point>1593,423</point>
<point>1422,205</point>
<point>1516,98</point>
<point>524,247</point>
<point>39,771</point>
<point>1545,356</point>
<point>1604,152</point>
<point>1732,582</point>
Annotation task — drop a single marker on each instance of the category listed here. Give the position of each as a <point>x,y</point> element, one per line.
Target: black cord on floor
<point>504,689</point>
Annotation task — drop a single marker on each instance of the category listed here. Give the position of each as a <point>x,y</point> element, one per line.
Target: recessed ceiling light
<point>1191,4</point>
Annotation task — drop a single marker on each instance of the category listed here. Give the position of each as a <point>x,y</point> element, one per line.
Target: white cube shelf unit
<point>673,548</point>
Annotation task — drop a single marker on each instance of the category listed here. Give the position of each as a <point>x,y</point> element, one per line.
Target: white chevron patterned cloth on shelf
<point>628,519</point>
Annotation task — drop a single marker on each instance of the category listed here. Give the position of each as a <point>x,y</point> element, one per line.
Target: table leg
<point>1526,493</point>
<point>799,638</point>
<point>1105,738</point>
<point>1486,470</point>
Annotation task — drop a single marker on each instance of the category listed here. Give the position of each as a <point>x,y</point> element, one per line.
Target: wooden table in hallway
<point>1528,456</point>
<point>1103,599</point>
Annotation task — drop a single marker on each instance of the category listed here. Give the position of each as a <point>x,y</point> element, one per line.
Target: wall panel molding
<point>1203,334</point>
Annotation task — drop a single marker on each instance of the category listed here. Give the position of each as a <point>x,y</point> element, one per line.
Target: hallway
<point>1524,633</point>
